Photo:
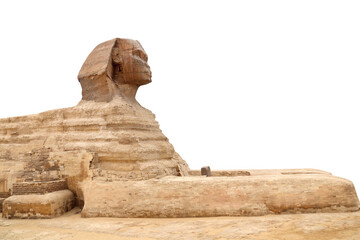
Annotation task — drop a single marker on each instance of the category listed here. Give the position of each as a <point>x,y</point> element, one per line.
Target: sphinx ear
<point>117,71</point>
<point>117,65</point>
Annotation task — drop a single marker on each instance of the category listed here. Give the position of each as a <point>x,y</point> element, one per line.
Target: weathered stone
<point>221,196</point>
<point>38,206</point>
<point>108,135</point>
<point>114,68</point>
<point>320,226</point>
<point>115,159</point>
<point>25,188</point>
<point>5,194</point>
<point>222,173</point>
<point>1,202</point>
<point>206,171</point>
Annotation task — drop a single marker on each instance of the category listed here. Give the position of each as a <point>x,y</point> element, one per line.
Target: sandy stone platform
<point>198,196</point>
<point>319,226</point>
<point>38,205</point>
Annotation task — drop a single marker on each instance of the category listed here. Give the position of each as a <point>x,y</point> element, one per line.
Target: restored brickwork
<point>25,188</point>
<point>4,194</point>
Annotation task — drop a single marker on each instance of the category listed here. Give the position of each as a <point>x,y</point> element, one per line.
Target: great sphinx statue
<point>112,73</point>
<point>108,156</point>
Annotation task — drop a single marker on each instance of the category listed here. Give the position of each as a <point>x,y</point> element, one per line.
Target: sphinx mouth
<point>148,72</point>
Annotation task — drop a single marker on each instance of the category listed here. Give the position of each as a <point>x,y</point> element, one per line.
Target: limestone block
<point>206,171</point>
<point>1,202</point>
<point>4,194</point>
<point>38,206</point>
<point>25,188</point>
<point>220,196</point>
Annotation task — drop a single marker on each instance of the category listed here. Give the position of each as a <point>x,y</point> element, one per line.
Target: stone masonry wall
<point>4,194</point>
<point>25,188</point>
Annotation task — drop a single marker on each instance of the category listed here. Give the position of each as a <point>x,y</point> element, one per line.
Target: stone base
<point>38,206</point>
<point>197,196</point>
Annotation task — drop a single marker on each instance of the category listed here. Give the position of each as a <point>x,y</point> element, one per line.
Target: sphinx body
<point>111,154</point>
<point>107,136</point>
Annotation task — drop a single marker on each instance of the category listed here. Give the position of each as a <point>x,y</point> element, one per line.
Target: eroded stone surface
<point>220,196</point>
<point>25,188</point>
<point>114,68</point>
<point>112,154</point>
<point>48,205</point>
<point>108,135</point>
<point>319,226</point>
<point>1,202</point>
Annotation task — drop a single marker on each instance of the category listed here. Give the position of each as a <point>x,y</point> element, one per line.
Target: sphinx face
<point>114,68</point>
<point>130,63</point>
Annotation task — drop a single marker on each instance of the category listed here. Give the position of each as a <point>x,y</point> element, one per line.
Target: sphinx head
<point>114,68</point>
<point>129,62</point>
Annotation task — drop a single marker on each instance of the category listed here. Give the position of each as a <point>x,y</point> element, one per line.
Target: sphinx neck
<point>127,91</point>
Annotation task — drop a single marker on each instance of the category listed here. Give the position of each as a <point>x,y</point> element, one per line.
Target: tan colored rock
<point>320,226</point>
<point>1,202</point>
<point>220,196</point>
<point>26,188</point>
<point>48,205</point>
<point>108,135</point>
<point>112,154</point>
<point>125,138</point>
<point>114,68</point>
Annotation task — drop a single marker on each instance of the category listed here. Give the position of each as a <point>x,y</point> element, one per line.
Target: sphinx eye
<point>140,54</point>
<point>137,53</point>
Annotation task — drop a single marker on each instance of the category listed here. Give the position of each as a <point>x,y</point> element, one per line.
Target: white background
<point>236,84</point>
